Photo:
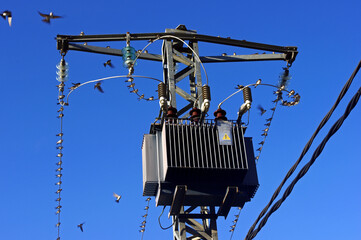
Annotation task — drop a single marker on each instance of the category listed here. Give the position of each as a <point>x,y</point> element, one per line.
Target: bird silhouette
<point>47,17</point>
<point>60,141</point>
<point>141,97</point>
<point>59,175</point>
<point>131,85</point>
<point>269,119</point>
<point>7,14</point>
<point>108,63</point>
<point>81,226</point>
<point>117,197</point>
<point>59,190</point>
<point>148,199</point>
<point>97,86</point>
<point>291,93</point>
<point>60,147</point>
<point>151,98</point>
<point>145,215</point>
<point>261,109</point>
<point>258,82</point>
<point>75,85</point>
<point>58,169</point>
<point>59,134</point>
<point>59,155</point>
<point>60,115</point>
<point>142,230</point>
<point>134,91</point>
<point>129,79</point>
<point>61,109</point>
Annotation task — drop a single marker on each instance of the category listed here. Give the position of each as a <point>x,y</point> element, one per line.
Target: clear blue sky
<point>103,132</point>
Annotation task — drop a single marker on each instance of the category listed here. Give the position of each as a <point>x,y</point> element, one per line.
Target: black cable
<point>306,148</point>
<point>164,228</point>
<point>336,126</point>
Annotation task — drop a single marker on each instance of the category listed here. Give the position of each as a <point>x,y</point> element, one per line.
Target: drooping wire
<point>306,148</point>
<point>144,222</point>
<point>335,127</point>
<point>235,221</point>
<point>164,228</point>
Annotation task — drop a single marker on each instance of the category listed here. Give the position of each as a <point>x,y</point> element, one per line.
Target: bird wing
<point>9,20</point>
<point>43,15</point>
<point>116,195</point>
<point>100,89</point>
<point>54,16</point>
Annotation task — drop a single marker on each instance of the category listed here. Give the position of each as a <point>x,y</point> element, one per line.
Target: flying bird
<point>75,85</point>
<point>108,63</point>
<point>7,14</point>
<point>117,197</point>
<point>97,86</point>
<point>47,17</point>
<point>81,226</point>
<point>261,109</point>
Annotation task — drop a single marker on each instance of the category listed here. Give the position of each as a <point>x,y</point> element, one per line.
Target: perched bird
<point>273,109</point>
<point>7,14</point>
<point>264,134</point>
<point>231,230</point>
<point>131,85</point>
<point>60,141</point>
<point>59,134</point>
<point>97,86</point>
<point>134,91</point>
<point>61,97</point>
<point>142,230</point>
<point>58,183</point>
<point>60,115</point>
<point>58,199</point>
<point>57,212</point>
<point>291,93</point>
<point>259,149</point>
<point>145,215</point>
<point>141,97</point>
<point>117,197</point>
<point>81,226</point>
<point>146,208</point>
<point>129,79</point>
<point>57,225</point>
<point>239,86</point>
<point>59,169</point>
<point>58,207</point>
<point>144,222</point>
<point>59,190</point>
<point>237,216</point>
<point>269,119</point>
<point>142,226</point>
<point>148,199</point>
<point>60,147</point>
<point>59,163</point>
<point>266,130</point>
<point>267,124</point>
<point>224,54</point>
<point>235,220</point>
<point>75,85</point>
<point>151,98</point>
<point>261,109</point>
<point>47,17</point>
<point>261,143</point>
<point>258,82</point>
<point>61,109</point>
<point>59,155</point>
<point>59,175</point>
<point>109,63</point>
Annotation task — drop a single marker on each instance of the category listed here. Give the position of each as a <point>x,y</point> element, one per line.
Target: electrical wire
<point>335,127</point>
<point>107,78</point>
<point>306,148</point>
<point>164,228</point>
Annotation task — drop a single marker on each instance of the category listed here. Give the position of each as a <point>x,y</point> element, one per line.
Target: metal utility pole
<point>184,164</point>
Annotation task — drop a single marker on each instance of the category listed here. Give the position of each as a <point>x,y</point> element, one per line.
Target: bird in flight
<point>261,109</point>
<point>97,86</point>
<point>109,63</point>
<point>47,17</point>
<point>7,14</point>
<point>81,226</point>
<point>117,197</point>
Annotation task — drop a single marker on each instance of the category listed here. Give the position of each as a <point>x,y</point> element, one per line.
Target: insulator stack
<point>62,72</point>
<point>195,115</point>
<point>220,114</point>
<point>162,95</point>
<point>171,112</point>
<point>247,95</point>
<point>206,92</point>
<point>128,56</point>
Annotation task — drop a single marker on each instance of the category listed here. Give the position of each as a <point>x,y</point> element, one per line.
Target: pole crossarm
<point>63,41</point>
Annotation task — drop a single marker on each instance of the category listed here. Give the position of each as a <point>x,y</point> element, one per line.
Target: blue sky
<point>103,132</point>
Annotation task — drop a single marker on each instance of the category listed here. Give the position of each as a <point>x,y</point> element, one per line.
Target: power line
<point>336,126</point>
<point>306,148</point>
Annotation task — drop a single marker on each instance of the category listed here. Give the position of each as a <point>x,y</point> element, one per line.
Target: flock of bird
<point>7,15</point>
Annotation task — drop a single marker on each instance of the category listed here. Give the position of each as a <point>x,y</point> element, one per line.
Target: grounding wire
<point>335,127</point>
<point>307,146</point>
<point>164,228</point>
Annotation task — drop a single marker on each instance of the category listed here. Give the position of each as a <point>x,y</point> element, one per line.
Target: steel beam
<point>179,193</point>
<point>227,201</point>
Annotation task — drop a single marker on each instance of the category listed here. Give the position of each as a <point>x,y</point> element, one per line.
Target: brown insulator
<point>162,91</point>
<point>171,112</point>
<point>247,96</point>
<point>195,114</point>
<point>220,114</point>
<point>206,91</point>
